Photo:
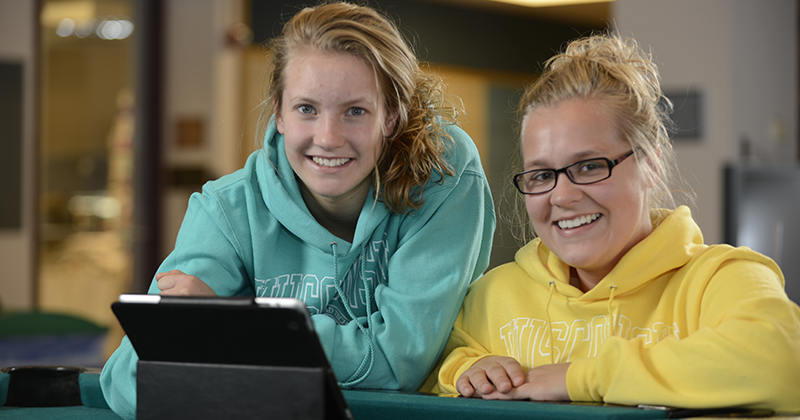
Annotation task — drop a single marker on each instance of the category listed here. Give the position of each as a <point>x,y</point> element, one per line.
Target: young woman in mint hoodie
<point>367,202</point>
<point>619,300</point>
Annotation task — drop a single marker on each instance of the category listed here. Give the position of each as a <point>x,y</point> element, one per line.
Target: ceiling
<point>479,34</point>
<point>586,14</point>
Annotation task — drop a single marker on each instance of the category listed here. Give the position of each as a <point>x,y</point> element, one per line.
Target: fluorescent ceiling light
<point>547,3</point>
<point>77,10</point>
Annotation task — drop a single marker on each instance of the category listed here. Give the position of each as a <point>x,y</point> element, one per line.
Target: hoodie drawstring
<point>613,288</point>
<point>353,380</point>
<point>550,326</point>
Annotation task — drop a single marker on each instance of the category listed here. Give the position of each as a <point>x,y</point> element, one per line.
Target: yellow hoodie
<point>675,323</point>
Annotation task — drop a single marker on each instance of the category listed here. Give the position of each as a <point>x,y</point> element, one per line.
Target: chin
<point>576,259</point>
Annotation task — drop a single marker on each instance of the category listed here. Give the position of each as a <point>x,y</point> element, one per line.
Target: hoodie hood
<point>281,193</point>
<point>643,264</point>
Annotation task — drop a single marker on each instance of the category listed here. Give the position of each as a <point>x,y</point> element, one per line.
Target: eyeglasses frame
<point>564,170</point>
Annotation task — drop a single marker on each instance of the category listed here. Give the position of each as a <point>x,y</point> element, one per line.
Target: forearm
<point>741,362</point>
<point>406,339</point>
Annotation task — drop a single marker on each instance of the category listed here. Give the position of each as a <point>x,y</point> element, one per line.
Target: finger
<point>480,382</point>
<point>159,276</point>
<point>175,291</point>
<point>497,395</point>
<point>174,285</point>
<point>166,283</point>
<point>172,280</point>
<point>499,377</point>
<point>464,387</point>
<point>515,372</point>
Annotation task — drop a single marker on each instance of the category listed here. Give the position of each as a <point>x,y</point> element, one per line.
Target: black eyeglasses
<point>540,181</point>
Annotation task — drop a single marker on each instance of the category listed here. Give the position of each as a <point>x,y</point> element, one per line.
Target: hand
<point>543,383</point>
<point>178,283</point>
<point>493,374</point>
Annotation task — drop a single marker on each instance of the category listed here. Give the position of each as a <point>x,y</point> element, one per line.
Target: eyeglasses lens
<point>584,172</point>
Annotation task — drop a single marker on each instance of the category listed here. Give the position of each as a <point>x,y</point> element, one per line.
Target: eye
<point>540,176</point>
<point>592,166</point>
<point>356,111</point>
<point>306,109</point>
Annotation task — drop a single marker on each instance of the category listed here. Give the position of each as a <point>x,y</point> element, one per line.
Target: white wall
<point>742,56</point>
<point>17,44</point>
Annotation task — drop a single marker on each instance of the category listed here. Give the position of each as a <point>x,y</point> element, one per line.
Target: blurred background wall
<point>80,102</point>
<point>18,57</point>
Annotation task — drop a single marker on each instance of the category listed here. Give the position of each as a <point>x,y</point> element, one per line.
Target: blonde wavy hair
<point>414,152</point>
<point>623,78</point>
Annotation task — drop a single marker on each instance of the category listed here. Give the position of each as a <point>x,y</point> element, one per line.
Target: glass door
<point>86,158</point>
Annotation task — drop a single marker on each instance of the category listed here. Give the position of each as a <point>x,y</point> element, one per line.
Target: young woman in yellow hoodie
<point>618,299</point>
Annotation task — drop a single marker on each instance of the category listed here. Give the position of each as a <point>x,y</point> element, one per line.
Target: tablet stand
<point>170,390</point>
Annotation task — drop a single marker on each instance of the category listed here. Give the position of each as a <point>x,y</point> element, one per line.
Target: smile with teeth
<point>331,163</point>
<point>578,221</point>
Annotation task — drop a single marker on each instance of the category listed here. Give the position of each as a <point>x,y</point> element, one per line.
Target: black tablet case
<point>229,357</point>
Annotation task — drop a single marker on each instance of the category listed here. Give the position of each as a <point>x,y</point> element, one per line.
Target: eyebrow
<point>358,101</point>
<point>577,157</point>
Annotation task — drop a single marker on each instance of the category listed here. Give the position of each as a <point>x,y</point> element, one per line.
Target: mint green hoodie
<point>250,233</point>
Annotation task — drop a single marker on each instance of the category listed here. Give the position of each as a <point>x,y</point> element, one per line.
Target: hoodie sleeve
<point>207,248</point>
<point>744,351</point>
<point>487,303</point>
<point>462,351</point>
<point>442,248</point>
<point>118,380</point>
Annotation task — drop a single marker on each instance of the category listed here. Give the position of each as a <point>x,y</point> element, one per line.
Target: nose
<point>565,192</point>
<point>329,134</point>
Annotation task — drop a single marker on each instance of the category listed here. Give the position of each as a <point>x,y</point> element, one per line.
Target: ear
<point>390,125</point>
<point>276,109</point>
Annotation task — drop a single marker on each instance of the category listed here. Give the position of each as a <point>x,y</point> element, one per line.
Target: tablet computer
<point>240,331</point>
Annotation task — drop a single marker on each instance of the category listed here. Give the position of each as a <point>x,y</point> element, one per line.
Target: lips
<point>330,163</point>
<point>578,221</point>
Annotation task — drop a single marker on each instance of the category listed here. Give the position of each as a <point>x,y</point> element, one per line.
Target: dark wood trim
<point>36,160</point>
<point>148,169</point>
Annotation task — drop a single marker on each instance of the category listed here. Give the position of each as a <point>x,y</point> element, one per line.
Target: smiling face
<point>333,119</point>
<point>590,227</point>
